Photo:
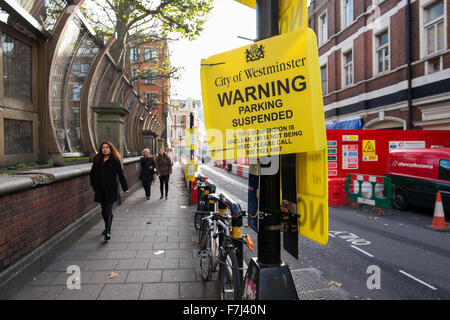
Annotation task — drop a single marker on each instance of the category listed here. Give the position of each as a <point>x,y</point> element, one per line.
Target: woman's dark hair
<point>114,153</point>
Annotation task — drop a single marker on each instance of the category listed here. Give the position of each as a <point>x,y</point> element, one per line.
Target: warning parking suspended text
<point>272,84</point>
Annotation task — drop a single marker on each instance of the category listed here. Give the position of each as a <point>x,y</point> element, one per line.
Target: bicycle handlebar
<point>234,207</point>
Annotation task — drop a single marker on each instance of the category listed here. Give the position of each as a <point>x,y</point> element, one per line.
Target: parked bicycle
<point>218,248</point>
<point>204,206</point>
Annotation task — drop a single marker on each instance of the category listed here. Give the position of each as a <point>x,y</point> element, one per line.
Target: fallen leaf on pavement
<point>74,280</point>
<point>112,275</point>
<point>337,284</point>
<point>149,222</point>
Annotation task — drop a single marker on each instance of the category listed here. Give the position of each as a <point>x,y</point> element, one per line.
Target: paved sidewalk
<point>151,255</point>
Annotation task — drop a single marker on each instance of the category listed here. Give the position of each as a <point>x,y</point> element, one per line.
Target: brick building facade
<point>365,69</point>
<point>150,62</point>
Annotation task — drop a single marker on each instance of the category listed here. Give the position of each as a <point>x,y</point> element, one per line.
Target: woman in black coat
<point>147,172</point>
<point>105,170</point>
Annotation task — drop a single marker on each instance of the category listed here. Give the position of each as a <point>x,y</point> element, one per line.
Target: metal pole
<point>409,62</point>
<point>269,244</point>
<point>191,156</point>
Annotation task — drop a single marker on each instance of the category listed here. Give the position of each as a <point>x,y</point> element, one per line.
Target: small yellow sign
<point>350,138</point>
<point>264,99</point>
<point>370,157</point>
<point>190,139</point>
<point>368,147</point>
<point>191,169</point>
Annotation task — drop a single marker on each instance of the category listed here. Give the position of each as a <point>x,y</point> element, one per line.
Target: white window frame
<point>377,49</point>
<point>148,53</point>
<point>344,67</point>
<point>323,31</point>
<point>324,92</point>
<point>428,70</point>
<point>344,19</point>
<point>424,5</point>
<point>136,55</point>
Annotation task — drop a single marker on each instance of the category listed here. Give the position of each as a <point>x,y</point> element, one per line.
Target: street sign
<point>191,169</point>
<point>311,164</point>
<point>190,139</point>
<point>265,98</point>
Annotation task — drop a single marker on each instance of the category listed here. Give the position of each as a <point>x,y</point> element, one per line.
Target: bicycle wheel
<point>198,216</point>
<point>206,259</point>
<point>229,280</point>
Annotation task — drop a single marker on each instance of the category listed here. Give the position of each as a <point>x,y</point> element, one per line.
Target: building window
<point>324,79</point>
<point>76,91</point>
<point>348,68</point>
<point>17,68</point>
<point>434,27</point>
<point>134,54</point>
<point>151,99</point>
<point>434,65</point>
<point>80,69</point>
<point>348,12</point>
<point>150,54</point>
<point>382,52</point>
<point>152,77</point>
<point>323,29</point>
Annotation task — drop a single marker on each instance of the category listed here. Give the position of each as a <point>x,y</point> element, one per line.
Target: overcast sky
<point>228,20</point>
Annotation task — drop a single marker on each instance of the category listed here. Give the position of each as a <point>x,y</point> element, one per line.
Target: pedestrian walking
<point>104,172</point>
<point>147,172</point>
<point>164,170</point>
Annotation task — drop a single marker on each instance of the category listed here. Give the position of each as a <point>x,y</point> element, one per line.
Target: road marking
<point>331,235</point>
<point>366,253</point>
<point>239,184</point>
<point>418,280</point>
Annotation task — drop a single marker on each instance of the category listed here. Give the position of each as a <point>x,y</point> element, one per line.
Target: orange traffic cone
<point>439,223</point>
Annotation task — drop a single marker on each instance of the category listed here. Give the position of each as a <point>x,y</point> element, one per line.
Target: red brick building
<point>150,62</point>
<point>365,67</point>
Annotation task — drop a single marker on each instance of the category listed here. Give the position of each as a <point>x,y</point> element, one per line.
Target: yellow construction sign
<point>368,147</point>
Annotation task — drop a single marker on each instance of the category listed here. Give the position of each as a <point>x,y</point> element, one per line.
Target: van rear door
<point>444,183</point>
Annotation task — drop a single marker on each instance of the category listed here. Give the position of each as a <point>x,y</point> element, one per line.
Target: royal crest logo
<point>255,53</point>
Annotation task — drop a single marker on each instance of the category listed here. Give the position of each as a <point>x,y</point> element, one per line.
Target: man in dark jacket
<point>147,172</point>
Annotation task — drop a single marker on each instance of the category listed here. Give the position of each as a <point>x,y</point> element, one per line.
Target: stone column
<point>160,143</point>
<point>148,138</point>
<point>111,125</point>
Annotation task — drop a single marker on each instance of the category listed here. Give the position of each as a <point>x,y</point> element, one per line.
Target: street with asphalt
<point>370,256</point>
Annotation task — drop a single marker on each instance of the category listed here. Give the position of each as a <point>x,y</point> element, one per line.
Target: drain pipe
<point>409,68</point>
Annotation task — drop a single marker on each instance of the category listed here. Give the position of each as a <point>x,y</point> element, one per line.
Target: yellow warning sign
<point>265,98</point>
<point>190,139</point>
<point>190,170</point>
<point>312,169</point>
<point>368,147</point>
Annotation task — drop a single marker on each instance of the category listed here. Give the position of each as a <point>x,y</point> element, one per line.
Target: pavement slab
<point>149,256</point>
